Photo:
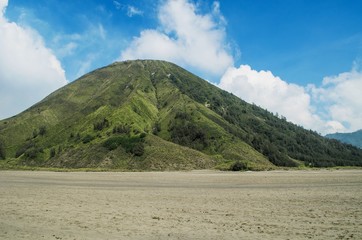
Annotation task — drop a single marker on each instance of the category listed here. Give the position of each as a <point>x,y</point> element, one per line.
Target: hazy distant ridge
<point>354,138</point>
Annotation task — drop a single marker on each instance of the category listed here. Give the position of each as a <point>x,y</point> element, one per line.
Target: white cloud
<point>67,50</point>
<point>185,37</point>
<point>333,107</point>
<point>28,70</point>
<point>340,99</point>
<point>102,32</point>
<point>84,51</point>
<point>271,92</point>
<point>117,5</point>
<point>132,11</point>
<point>3,5</point>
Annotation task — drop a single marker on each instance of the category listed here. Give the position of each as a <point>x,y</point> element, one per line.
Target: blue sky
<point>300,58</point>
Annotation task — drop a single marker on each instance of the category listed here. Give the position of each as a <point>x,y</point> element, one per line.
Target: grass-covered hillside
<point>154,115</point>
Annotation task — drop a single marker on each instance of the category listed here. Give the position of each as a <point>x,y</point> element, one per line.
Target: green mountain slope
<point>354,138</point>
<point>154,115</point>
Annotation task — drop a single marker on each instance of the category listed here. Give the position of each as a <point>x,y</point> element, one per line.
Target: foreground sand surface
<point>181,205</point>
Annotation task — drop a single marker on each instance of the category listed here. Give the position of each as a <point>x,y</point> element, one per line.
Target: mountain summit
<point>154,115</point>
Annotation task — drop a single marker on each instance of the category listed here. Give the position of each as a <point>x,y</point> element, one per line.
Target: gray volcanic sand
<point>181,205</point>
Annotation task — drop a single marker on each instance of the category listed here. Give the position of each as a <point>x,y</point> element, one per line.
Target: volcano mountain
<point>154,115</point>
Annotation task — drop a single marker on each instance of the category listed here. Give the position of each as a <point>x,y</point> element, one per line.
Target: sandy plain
<point>319,204</point>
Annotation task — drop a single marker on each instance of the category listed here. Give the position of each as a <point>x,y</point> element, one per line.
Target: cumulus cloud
<point>335,106</point>
<point>340,100</point>
<point>185,37</point>
<point>3,5</point>
<point>28,69</point>
<point>271,92</point>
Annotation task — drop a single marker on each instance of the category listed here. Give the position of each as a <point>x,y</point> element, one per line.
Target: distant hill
<point>154,115</point>
<point>354,138</point>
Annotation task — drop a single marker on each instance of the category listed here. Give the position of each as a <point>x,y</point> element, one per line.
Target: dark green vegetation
<point>354,138</point>
<point>154,115</point>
